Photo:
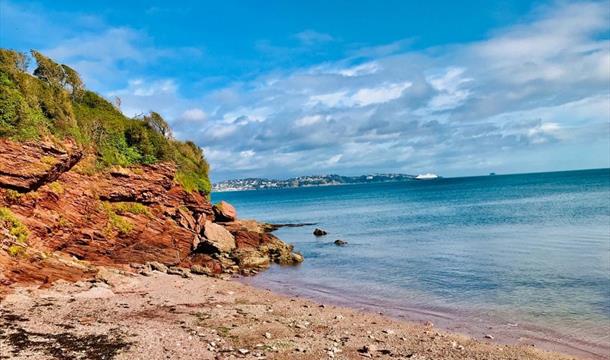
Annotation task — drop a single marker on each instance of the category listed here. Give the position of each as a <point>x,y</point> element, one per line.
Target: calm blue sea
<point>528,252</point>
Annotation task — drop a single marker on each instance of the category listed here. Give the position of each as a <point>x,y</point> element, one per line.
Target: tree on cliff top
<point>53,104</point>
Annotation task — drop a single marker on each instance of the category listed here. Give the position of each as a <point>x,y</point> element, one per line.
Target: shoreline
<point>475,325</point>
<point>126,316</point>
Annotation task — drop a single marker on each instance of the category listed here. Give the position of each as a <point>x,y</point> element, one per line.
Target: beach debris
<point>489,336</point>
<point>339,242</point>
<point>319,232</point>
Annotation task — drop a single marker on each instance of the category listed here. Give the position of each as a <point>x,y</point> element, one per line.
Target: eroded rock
<point>223,211</point>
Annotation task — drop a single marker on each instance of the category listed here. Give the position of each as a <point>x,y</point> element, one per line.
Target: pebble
<point>488,336</point>
<point>243,351</point>
<point>267,335</point>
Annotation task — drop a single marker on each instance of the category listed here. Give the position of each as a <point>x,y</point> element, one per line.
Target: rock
<point>157,266</point>
<point>319,232</point>
<point>200,270</point>
<point>267,335</point>
<point>252,259</point>
<point>488,336</point>
<point>297,258</point>
<point>224,212</point>
<point>217,237</point>
<point>340,242</point>
<point>178,271</point>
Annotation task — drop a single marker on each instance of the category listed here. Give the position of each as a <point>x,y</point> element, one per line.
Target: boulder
<point>319,232</point>
<point>217,237</point>
<point>253,260</point>
<point>340,242</point>
<point>223,211</point>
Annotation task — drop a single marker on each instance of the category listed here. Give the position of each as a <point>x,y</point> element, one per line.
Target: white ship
<point>427,176</point>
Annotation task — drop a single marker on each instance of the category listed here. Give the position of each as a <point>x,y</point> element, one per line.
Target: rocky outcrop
<point>224,211</point>
<point>27,166</point>
<point>78,219</point>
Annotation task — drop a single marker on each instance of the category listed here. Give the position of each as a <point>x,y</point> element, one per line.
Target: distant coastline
<point>249,184</point>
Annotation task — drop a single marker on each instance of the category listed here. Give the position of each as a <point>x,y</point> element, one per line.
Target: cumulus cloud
<point>518,100</point>
<point>530,88</point>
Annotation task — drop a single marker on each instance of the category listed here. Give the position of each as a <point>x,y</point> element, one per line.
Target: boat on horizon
<point>427,176</point>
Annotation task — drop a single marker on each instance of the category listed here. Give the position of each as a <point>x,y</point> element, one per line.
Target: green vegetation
<point>16,250</point>
<point>53,104</point>
<point>122,208</point>
<point>9,221</point>
<point>12,196</point>
<point>56,187</point>
<point>115,212</point>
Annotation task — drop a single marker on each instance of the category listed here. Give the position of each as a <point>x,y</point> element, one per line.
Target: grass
<point>123,208</point>
<point>116,212</point>
<point>120,224</point>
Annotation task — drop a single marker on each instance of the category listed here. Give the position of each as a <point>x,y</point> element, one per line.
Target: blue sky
<point>280,88</point>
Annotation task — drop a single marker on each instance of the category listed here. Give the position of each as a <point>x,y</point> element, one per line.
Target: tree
<point>157,123</point>
<point>48,70</point>
<point>72,79</point>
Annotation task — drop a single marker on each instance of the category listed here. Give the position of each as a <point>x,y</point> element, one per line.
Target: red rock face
<point>224,211</point>
<point>113,218</point>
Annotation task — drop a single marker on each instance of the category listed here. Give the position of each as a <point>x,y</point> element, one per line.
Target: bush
<point>54,104</point>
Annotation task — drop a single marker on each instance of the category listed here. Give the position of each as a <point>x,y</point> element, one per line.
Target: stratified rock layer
<point>79,219</point>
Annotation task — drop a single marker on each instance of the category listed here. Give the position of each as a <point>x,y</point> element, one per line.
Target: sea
<point>524,258</point>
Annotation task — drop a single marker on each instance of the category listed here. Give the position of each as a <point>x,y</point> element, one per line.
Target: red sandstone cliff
<point>76,218</point>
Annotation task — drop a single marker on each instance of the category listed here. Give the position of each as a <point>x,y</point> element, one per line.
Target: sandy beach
<point>120,315</point>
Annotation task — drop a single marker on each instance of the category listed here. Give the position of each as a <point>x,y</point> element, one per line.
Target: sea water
<point>526,256</point>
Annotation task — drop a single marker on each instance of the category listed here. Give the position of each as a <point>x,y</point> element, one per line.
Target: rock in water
<point>223,211</point>
<point>319,232</point>
<point>340,242</point>
<point>217,237</point>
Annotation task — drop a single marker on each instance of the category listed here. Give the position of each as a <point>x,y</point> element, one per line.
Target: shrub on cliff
<point>53,104</point>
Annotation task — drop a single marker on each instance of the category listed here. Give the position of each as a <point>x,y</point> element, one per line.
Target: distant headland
<point>305,181</point>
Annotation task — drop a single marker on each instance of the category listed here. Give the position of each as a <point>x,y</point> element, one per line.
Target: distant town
<point>305,181</point>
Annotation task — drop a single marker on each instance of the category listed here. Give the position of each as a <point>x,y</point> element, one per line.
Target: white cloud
<point>194,114</point>
<point>360,70</point>
<point>309,37</point>
<point>308,120</point>
<point>379,94</point>
<point>362,97</point>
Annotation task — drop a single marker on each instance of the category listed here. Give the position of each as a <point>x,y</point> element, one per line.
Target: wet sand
<point>504,331</point>
<point>126,316</point>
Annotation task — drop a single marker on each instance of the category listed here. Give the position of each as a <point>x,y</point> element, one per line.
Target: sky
<point>282,88</point>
